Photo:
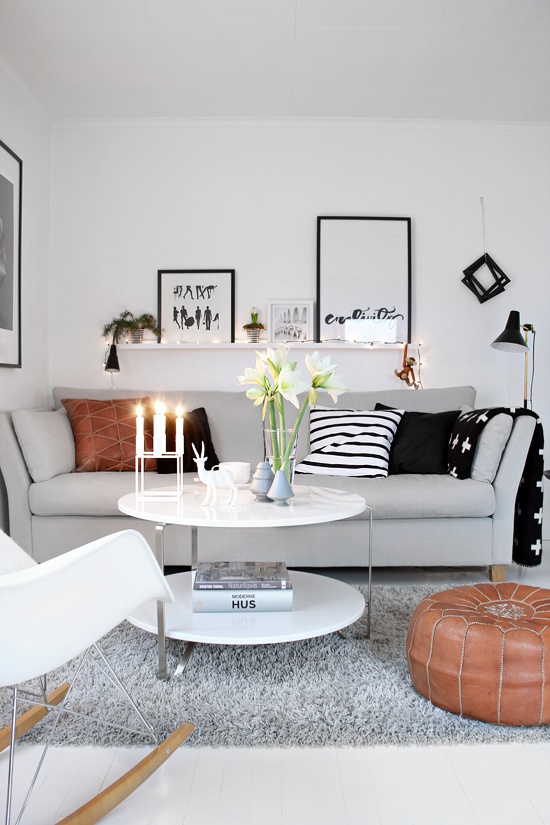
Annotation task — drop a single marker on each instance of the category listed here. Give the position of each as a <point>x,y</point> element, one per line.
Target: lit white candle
<point>179,431</point>
<point>159,429</point>
<point>140,437</point>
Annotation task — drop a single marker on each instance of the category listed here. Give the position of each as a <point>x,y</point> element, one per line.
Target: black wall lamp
<point>512,340</point>
<point>111,362</point>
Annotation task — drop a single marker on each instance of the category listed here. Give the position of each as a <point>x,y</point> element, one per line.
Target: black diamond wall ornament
<point>474,284</point>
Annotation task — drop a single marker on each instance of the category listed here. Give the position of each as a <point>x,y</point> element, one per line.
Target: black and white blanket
<point>527,550</point>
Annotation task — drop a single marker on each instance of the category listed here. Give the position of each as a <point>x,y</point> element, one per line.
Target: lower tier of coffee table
<point>321,605</point>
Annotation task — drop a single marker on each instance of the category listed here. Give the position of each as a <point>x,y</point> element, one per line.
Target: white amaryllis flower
<point>326,382</point>
<point>317,365</point>
<point>289,384</point>
<point>257,376</point>
<point>254,375</point>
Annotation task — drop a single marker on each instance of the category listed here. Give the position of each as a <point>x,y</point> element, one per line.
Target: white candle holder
<point>158,494</point>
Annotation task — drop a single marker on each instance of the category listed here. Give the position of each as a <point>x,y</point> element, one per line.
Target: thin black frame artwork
<point>11,184</point>
<point>196,306</point>
<point>363,273</point>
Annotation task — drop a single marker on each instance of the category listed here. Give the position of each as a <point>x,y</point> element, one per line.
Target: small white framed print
<point>290,321</point>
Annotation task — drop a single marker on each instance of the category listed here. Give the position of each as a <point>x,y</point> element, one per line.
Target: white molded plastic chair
<point>53,612</point>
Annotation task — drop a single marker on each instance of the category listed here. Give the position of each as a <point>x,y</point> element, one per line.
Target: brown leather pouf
<point>480,651</point>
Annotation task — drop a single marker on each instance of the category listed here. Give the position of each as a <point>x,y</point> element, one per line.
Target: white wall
<point>27,131</point>
<point>129,199</point>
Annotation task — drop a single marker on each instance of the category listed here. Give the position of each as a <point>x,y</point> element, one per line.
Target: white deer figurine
<point>214,479</point>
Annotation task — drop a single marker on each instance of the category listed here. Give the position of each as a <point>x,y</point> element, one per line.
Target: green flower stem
<point>294,434</point>
<point>275,444</point>
<point>282,429</point>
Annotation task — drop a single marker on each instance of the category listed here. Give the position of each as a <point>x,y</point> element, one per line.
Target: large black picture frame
<point>196,305</point>
<point>11,186</point>
<point>364,272</point>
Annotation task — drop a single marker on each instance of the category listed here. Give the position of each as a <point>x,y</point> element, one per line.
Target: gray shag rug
<point>330,691</point>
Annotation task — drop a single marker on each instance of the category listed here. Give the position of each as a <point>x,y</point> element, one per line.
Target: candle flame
<point>160,408</point>
<point>179,411</point>
<point>139,411</point>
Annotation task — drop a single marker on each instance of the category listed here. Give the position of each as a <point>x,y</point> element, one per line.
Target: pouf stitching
<point>470,603</point>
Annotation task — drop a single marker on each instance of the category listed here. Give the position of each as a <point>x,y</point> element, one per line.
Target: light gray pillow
<point>47,442</point>
<point>490,446</point>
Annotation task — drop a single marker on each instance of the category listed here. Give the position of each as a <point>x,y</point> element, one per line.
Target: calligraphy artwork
<point>363,274</point>
<point>196,305</point>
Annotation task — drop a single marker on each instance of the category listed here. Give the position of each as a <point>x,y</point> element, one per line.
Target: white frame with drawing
<point>196,306</point>
<point>289,321</point>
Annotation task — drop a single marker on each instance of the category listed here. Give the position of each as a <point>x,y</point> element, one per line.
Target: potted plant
<point>254,327</point>
<point>129,324</point>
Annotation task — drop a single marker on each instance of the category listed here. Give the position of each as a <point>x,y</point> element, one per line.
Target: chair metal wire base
<point>56,703</point>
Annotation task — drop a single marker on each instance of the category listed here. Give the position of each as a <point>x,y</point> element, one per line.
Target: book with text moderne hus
<point>242,601</point>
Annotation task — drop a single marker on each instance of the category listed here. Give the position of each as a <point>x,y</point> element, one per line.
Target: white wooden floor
<point>458,785</point>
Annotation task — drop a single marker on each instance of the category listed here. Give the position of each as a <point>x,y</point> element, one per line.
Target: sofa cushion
<point>196,430</point>
<point>395,497</point>
<point>47,442</point>
<point>421,442</point>
<point>105,434</point>
<point>490,446</point>
<point>488,438</point>
<point>350,442</point>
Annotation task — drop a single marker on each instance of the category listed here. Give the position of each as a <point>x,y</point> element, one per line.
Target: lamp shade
<point>111,364</point>
<point>511,340</point>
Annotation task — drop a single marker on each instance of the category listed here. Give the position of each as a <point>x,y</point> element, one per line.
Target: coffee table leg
<point>194,548</point>
<point>370,573</point>
<point>190,646</point>
<point>159,552</point>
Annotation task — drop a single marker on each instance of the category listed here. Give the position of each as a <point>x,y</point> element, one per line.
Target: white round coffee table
<point>321,605</point>
<point>310,615</point>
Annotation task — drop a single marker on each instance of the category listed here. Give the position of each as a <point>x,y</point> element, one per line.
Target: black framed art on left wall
<point>11,179</point>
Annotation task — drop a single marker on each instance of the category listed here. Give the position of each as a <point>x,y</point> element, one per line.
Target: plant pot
<point>253,336</point>
<point>136,336</point>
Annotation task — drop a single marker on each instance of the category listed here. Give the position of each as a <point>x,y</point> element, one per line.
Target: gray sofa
<point>419,520</point>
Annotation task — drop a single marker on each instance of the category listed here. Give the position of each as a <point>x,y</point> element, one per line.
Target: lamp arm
<point>527,328</point>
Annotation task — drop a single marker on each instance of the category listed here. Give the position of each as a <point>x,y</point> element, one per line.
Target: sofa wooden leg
<point>497,572</point>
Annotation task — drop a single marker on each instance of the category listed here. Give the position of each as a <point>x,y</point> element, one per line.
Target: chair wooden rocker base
<point>92,585</point>
<point>118,791</point>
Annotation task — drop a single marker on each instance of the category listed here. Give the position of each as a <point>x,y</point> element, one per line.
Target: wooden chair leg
<point>497,573</point>
<point>27,720</point>
<point>116,793</point>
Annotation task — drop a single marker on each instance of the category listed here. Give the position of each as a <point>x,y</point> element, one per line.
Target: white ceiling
<point>437,59</point>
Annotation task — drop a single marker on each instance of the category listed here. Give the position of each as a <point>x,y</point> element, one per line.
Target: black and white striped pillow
<point>350,442</point>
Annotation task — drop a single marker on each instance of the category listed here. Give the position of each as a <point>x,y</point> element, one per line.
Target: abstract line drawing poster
<point>363,274</point>
<point>11,174</point>
<point>196,305</point>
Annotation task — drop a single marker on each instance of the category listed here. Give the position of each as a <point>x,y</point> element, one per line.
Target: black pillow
<point>421,442</point>
<point>195,431</point>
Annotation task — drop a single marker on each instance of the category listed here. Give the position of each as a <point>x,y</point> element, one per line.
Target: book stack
<point>241,587</point>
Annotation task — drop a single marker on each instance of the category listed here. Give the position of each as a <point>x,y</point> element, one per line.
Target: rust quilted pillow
<point>105,434</point>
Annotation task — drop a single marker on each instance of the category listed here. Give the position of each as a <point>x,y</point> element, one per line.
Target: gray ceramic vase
<point>280,491</point>
<point>262,481</point>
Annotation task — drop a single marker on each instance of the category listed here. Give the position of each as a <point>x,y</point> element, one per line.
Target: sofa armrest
<point>506,485</point>
<point>17,481</point>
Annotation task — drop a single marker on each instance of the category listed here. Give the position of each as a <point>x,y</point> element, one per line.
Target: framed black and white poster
<point>363,279</point>
<point>290,321</point>
<point>196,305</point>
<point>11,177</point>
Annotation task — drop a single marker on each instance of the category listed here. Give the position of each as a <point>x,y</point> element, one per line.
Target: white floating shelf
<point>310,345</point>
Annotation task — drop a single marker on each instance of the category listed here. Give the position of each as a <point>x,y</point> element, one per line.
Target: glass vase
<point>280,451</point>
